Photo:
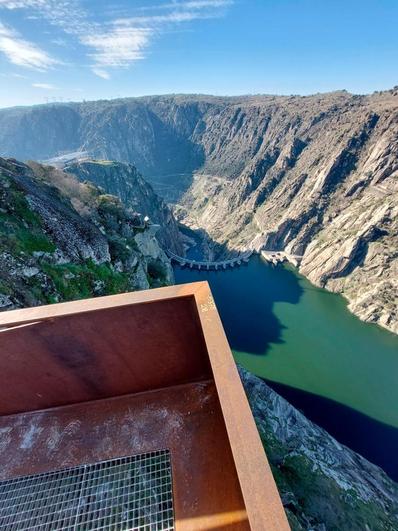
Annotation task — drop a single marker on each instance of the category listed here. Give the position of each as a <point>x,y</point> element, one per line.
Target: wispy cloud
<point>45,86</point>
<point>23,53</point>
<point>18,4</point>
<point>176,13</point>
<point>13,74</point>
<point>100,73</point>
<point>189,4</point>
<point>66,14</point>
<point>60,42</point>
<point>118,47</point>
<point>129,38</point>
<point>117,42</point>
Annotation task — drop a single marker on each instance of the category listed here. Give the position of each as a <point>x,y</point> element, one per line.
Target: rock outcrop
<point>124,181</point>
<point>314,176</point>
<point>61,240</point>
<point>323,484</point>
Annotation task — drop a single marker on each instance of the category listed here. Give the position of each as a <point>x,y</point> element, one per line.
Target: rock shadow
<point>374,440</point>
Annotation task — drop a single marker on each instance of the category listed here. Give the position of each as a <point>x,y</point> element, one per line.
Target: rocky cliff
<point>124,181</point>
<point>316,176</point>
<point>323,484</point>
<point>61,239</point>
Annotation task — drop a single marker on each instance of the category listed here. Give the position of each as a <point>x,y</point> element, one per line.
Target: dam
<point>209,265</point>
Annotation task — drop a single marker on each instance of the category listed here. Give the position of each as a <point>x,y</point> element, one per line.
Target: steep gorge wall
<point>314,175</point>
<point>62,240</point>
<point>323,484</point>
<point>124,181</point>
<point>322,182</point>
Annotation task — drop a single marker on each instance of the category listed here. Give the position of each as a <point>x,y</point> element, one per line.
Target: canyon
<point>315,176</point>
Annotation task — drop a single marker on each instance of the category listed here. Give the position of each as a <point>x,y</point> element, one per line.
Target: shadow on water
<point>375,440</point>
<point>245,301</point>
<point>246,298</point>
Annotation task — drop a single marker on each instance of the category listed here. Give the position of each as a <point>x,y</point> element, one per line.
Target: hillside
<point>323,484</point>
<point>315,175</point>
<point>124,181</point>
<point>62,240</point>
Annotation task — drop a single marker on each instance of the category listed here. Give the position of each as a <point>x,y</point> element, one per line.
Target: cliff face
<point>62,240</point>
<point>323,484</point>
<point>322,183</point>
<point>124,181</point>
<point>152,133</point>
<point>316,176</point>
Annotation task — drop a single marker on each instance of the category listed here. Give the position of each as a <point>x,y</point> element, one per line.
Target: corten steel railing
<point>90,382</point>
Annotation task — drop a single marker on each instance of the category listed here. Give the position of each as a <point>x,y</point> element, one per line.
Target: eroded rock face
<point>62,240</point>
<point>322,182</point>
<point>315,176</point>
<point>124,181</point>
<point>356,254</point>
<point>323,484</point>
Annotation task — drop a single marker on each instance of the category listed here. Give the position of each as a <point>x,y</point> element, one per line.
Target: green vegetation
<point>21,229</point>
<point>5,288</point>
<point>308,491</point>
<point>35,291</point>
<point>28,241</point>
<point>109,205</point>
<point>120,248</point>
<point>20,208</point>
<point>156,275</point>
<point>79,281</point>
<point>33,248</point>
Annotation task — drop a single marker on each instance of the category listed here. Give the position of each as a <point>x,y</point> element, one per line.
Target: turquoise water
<point>341,372</point>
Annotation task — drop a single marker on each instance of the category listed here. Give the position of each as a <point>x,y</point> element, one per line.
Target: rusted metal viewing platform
<point>127,412</point>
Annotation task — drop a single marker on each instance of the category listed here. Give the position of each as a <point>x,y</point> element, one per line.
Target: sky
<point>74,50</point>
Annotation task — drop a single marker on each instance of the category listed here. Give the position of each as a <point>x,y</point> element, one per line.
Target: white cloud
<point>121,42</point>
<point>118,47</point>
<point>60,42</point>
<point>13,74</point>
<point>46,86</point>
<point>66,14</point>
<point>179,12</point>
<point>101,73</point>
<point>189,4</point>
<point>201,4</point>
<point>23,53</point>
<point>129,37</point>
<point>18,4</point>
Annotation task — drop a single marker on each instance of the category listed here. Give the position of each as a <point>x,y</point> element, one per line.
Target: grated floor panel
<point>129,493</point>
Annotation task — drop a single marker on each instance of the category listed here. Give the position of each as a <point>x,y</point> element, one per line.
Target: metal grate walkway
<point>121,494</point>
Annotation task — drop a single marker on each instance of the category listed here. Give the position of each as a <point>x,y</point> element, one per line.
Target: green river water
<point>341,372</point>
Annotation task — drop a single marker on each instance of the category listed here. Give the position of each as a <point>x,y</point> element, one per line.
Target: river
<point>342,373</point>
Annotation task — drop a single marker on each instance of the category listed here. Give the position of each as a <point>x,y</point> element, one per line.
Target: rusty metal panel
<point>222,479</point>
<point>262,500</point>
<point>100,354</point>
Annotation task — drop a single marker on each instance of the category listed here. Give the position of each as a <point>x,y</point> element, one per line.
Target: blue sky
<point>89,49</point>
